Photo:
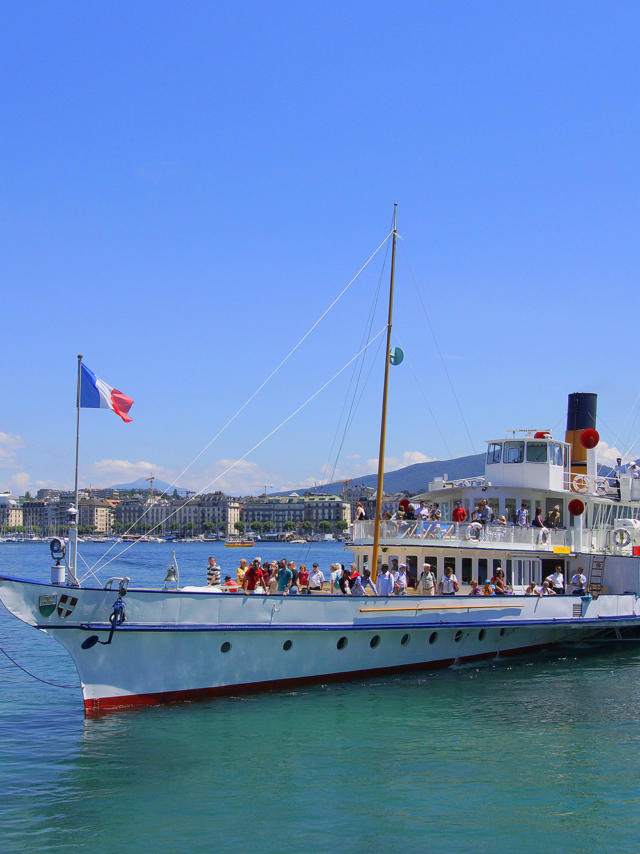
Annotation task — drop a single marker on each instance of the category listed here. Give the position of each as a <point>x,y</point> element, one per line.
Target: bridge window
<point>555,453</point>
<point>494,452</point>
<point>536,452</point>
<point>514,452</point>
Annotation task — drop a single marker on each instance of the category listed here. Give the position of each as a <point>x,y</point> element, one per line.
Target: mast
<point>74,518</point>
<point>383,423</point>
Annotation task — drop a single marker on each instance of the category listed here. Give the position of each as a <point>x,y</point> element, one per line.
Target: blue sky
<point>186,188</point>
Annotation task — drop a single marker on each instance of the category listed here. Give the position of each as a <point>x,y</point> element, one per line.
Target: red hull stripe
<point>103,705</point>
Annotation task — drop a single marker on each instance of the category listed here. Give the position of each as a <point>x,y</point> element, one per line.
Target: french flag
<point>96,394</point>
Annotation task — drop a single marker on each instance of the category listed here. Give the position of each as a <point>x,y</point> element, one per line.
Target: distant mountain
<point>142,485</point>
<point>413,478</point>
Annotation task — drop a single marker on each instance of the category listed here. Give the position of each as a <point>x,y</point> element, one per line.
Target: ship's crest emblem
<point>66,604</point>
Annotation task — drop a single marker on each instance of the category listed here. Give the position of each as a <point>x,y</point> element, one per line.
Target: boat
<point>136,646</point>
<point>237,543</point>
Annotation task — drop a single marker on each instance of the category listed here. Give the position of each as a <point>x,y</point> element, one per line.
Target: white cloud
<point>9,446</point>
<point>109,470</point>
<point>408,458</point>
<point>607,455</point>
<point>21,480</point>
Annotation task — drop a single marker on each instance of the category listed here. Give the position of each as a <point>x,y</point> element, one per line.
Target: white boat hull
<point>179,645</point>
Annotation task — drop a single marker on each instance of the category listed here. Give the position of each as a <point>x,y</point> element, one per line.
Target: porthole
<point>226,646</point>
<point>375,640</point>
<point>287,645</point>
<point>404,640</point>
<point>458,636</point>
<point>342,643</point>
<point>481,634</point>
<point>502,633</point>
<point>433,637</point>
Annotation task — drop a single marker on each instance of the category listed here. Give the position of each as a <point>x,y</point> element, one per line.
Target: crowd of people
<point>290,579</point>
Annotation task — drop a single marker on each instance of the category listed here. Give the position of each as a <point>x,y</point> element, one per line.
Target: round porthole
<point>433,637</point>
<point>502,633</point>
<point>342,643</point>
<point>404,640</point>
<point>481,634</point>
<point>226,646</point>
<point>458,636</point>
<point>375,640</point>
<point>287,645</point>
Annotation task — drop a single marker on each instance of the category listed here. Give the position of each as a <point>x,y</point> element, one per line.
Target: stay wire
<point>431,412</point>
<point>259,389</point>
<point>258,444</point>
<point>442,360</point>
<point>358,369</point>
<point>33,675</point>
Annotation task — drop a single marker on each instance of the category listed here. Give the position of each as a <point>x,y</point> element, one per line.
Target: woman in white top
<point>449,585</point>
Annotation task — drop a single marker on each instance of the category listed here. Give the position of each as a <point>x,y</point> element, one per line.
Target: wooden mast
<point>383,424</point>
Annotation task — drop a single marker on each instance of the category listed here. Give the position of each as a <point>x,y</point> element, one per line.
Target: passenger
<point>316,579</point>
<point>285,576</point>
<point>344,582</point>
<point>334,581</point>
<point>367,582</point>
<point>547,589</point>
<point>240,571</point>
<point>230,585</point>
<point>424,511</point>
<point>502,520</point>
<point>273,580</point>
<point>449,585</point>
<point>578,583</point>
<point>266,571</point>
<point>500,585</point>
<point>436,513</point>
<point>486,513</point>
<point>488,588</point>
<point>213,572</point>
<point>385,581</point>
<point>293,587</point>
<point>400,581</point>
<point>556,580</point>
<point>427,581</point>
<point>552,519</point>
<point>522,516</point>
<point>475,590</point>
<point>361,513</point>
<point>532,589</point>
<point>537,519</point>
<point>459,514</point>
<point>254,580</point>
<point>353,574</point>
<point>303,577</point>
<point>356,588</point>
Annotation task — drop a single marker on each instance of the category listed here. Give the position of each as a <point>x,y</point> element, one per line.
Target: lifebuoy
<point>473,531</point>
<point>580,483</point>
<point>602,487</point>
<point>621,537</point>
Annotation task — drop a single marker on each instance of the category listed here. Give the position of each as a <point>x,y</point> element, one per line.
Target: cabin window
<point>510,509</point>
<point>494,452</point>
<point>466,570</point>
<point>555,453</point>
<point>536,452</point>
<point>514,452</point>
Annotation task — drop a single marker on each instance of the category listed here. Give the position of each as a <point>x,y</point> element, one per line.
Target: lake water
<point>538,753</point>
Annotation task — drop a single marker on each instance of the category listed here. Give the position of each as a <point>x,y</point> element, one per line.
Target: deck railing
<point>456,535</point>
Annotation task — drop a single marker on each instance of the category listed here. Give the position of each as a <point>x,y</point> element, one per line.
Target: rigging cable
<point>444,364</point>
<point>33,675</point>
<point>252,449</point>
<point>259,389</point>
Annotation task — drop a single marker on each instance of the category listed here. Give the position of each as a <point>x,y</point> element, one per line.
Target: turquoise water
<point>534,754</point>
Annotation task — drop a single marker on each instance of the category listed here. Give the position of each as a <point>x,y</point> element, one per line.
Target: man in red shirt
<point>254,579</point>
<point>459,514</point>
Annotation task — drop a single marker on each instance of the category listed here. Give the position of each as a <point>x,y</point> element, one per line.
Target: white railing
<point>587,484</point>
<point>456,535</point>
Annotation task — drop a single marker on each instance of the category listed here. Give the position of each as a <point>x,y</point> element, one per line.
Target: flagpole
<point>73,525</point>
